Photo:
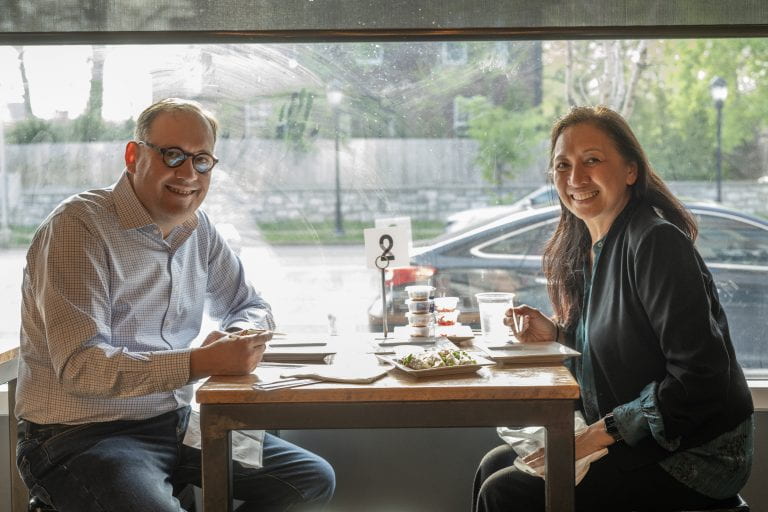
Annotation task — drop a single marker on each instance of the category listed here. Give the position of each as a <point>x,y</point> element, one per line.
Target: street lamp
<point>335,96</point>
<point>719,91</point>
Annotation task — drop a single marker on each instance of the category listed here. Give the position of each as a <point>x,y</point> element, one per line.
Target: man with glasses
<point>113,297</point>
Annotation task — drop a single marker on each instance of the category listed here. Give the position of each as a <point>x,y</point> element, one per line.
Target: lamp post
<point>719,91</point>
<point>335,96</point>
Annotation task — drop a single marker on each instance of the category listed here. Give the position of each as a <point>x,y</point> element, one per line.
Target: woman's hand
<point>532,326</point>
<point>592,439</point>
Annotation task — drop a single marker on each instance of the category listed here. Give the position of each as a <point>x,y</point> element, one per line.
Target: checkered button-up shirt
<point>110,308</point>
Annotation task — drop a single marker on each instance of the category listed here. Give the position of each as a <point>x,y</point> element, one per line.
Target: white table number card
<point>392,222</point>
<point>387,247</point>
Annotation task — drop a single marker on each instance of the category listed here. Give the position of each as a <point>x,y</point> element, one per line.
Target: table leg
<point>560,463</point>
<point>217,461</point>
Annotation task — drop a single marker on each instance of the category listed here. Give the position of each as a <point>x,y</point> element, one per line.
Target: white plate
<point>529,353</point>
<point>442,370</point>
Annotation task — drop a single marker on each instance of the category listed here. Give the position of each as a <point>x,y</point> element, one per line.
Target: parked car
<point>505,255</point>
<point>542,196</point>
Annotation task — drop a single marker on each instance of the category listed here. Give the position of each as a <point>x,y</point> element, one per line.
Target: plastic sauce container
<point>420,306</point>
<point>420,319</point>
<point>446,303</point>
<point>420,292</point>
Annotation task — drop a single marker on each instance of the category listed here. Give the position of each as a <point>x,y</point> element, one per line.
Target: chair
<point>186,497</point>
<point>735,504</point>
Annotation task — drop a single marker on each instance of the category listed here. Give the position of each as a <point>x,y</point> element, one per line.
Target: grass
<point>20,237</point>
<point>282,233</point>
<point>324,233</point>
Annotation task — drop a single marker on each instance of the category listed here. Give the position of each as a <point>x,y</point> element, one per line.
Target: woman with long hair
<point>660,385</point>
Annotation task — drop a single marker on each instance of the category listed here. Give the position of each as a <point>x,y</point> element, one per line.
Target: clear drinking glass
<point>492,307</point>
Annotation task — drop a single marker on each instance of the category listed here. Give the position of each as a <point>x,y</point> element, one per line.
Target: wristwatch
<point>611,428</point>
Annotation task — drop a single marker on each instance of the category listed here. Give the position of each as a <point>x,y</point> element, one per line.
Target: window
<point>522,244</point>
<point>727,241</point>
<point>370,54</point>
<point>460,117</point>
<point>425,126</point>
<point>454,54</point>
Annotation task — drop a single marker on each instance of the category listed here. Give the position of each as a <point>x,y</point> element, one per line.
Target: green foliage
<point>82,129</point>
<point>675,117</point>
<point>302,232</point>
<point>508,139</point>
<point>293,121</point>
<point>30,131</point>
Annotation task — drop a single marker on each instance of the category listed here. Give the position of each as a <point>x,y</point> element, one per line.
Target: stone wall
<point>259,180</point>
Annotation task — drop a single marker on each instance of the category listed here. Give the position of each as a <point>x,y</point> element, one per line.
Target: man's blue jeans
<point>138,465</point>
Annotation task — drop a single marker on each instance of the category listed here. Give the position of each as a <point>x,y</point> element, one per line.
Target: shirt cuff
<point>259,319</point>
<point>170,369</point>
<point>641,417</point>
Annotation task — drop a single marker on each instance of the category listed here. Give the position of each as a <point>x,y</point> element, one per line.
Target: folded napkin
<point>338,373</point>
<point>527,440</point>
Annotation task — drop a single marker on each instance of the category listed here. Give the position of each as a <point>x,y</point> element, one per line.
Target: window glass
<point>724,240</point>
<point>529,242</point>
<point>318,140</point>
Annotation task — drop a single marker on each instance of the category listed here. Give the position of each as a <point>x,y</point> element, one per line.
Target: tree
<point>604,73</point>
<point>675,119</point>
<point>508,140</point>
<point>24,83</point>
<point>293,119</point>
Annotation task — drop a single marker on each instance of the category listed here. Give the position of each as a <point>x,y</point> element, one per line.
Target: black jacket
<point>654,315</point>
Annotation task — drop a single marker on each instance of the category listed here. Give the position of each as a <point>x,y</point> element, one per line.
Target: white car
<point>542,196</point>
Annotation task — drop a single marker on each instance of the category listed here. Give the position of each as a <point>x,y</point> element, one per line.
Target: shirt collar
<point>132,213</point>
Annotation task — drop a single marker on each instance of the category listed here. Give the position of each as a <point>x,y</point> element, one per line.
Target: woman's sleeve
<point>680,302</point>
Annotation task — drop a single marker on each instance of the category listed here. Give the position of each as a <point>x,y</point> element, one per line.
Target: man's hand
<point>592,439</point>
<point>228,354</point>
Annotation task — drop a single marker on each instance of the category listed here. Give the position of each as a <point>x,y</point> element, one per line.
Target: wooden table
<point>494,396</point>
<point>9,354</point>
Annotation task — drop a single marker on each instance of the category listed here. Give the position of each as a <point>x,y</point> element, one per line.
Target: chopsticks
<point>249,332</point>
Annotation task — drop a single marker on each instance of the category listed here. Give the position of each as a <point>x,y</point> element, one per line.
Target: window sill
<point>759,389</point>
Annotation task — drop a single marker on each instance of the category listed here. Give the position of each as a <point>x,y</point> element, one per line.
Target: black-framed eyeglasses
<point>202,162</point>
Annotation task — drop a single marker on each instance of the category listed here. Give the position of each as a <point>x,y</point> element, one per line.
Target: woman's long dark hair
<point>568,250</point>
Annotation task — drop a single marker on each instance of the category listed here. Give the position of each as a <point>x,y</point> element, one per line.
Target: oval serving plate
<point>440,370</point>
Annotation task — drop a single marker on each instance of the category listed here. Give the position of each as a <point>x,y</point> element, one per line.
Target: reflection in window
<point>529,242</point>
<point>425,130</point>
<point>724,240</point>
<point>454,54</point>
